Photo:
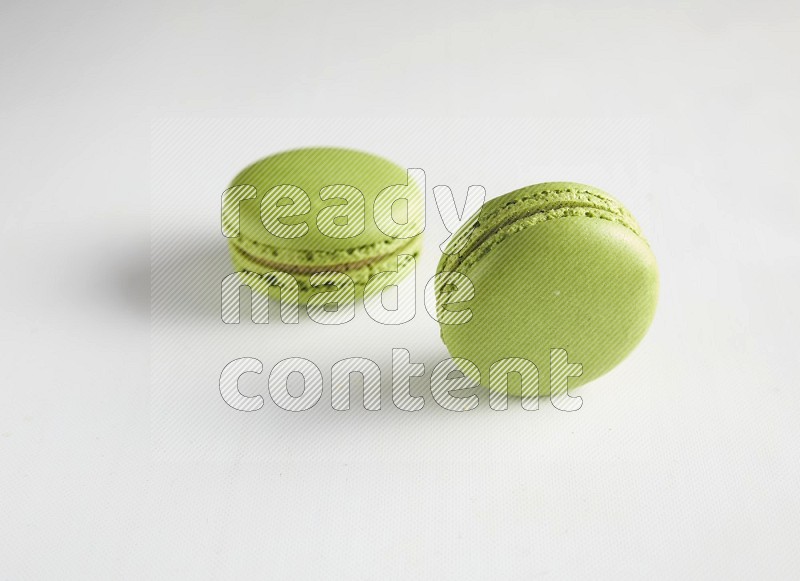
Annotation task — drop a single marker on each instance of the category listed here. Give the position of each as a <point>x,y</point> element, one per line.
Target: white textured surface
<point>683,463</point>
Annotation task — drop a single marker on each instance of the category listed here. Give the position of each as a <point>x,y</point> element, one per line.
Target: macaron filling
<point>305,269</point>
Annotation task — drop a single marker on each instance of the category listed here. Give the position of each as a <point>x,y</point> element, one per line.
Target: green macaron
<point>554,266</point>
<point>326,209</point>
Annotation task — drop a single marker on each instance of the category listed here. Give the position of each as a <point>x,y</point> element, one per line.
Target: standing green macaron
<point>554,266</point>
<point>326,209</point>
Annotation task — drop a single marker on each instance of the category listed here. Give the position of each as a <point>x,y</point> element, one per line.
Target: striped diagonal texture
<point>335,303</point>
<point>279,384</point>
<point>442,385</point>
<point>284,201</point>
<point>398,212</point>
<point>341,382</point>
<point>451,288</point>
<point>446,204</point>
<point>499,378</point>
<point>560,370</point>
<point>229,384</point>
<point>346,219</point>
<point>230,207</point>
<point>402,372</point>
<point>259,284</point>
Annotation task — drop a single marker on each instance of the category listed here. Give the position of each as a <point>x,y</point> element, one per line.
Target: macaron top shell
<point>554,266</point>
<point>521,208</point>
<point>311,170</point>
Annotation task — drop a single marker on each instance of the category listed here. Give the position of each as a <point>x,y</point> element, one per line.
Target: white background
<point>683,461</point>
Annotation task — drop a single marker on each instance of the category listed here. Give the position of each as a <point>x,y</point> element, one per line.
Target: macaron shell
<point>528,206</point>
<point>586,285</point>
<point>312,169</point>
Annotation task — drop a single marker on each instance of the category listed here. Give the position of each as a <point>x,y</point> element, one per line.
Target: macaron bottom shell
<point>585,285</point>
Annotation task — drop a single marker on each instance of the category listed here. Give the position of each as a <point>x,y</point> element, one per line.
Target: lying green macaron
<point>554,266</point>
<point>326,209</point>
